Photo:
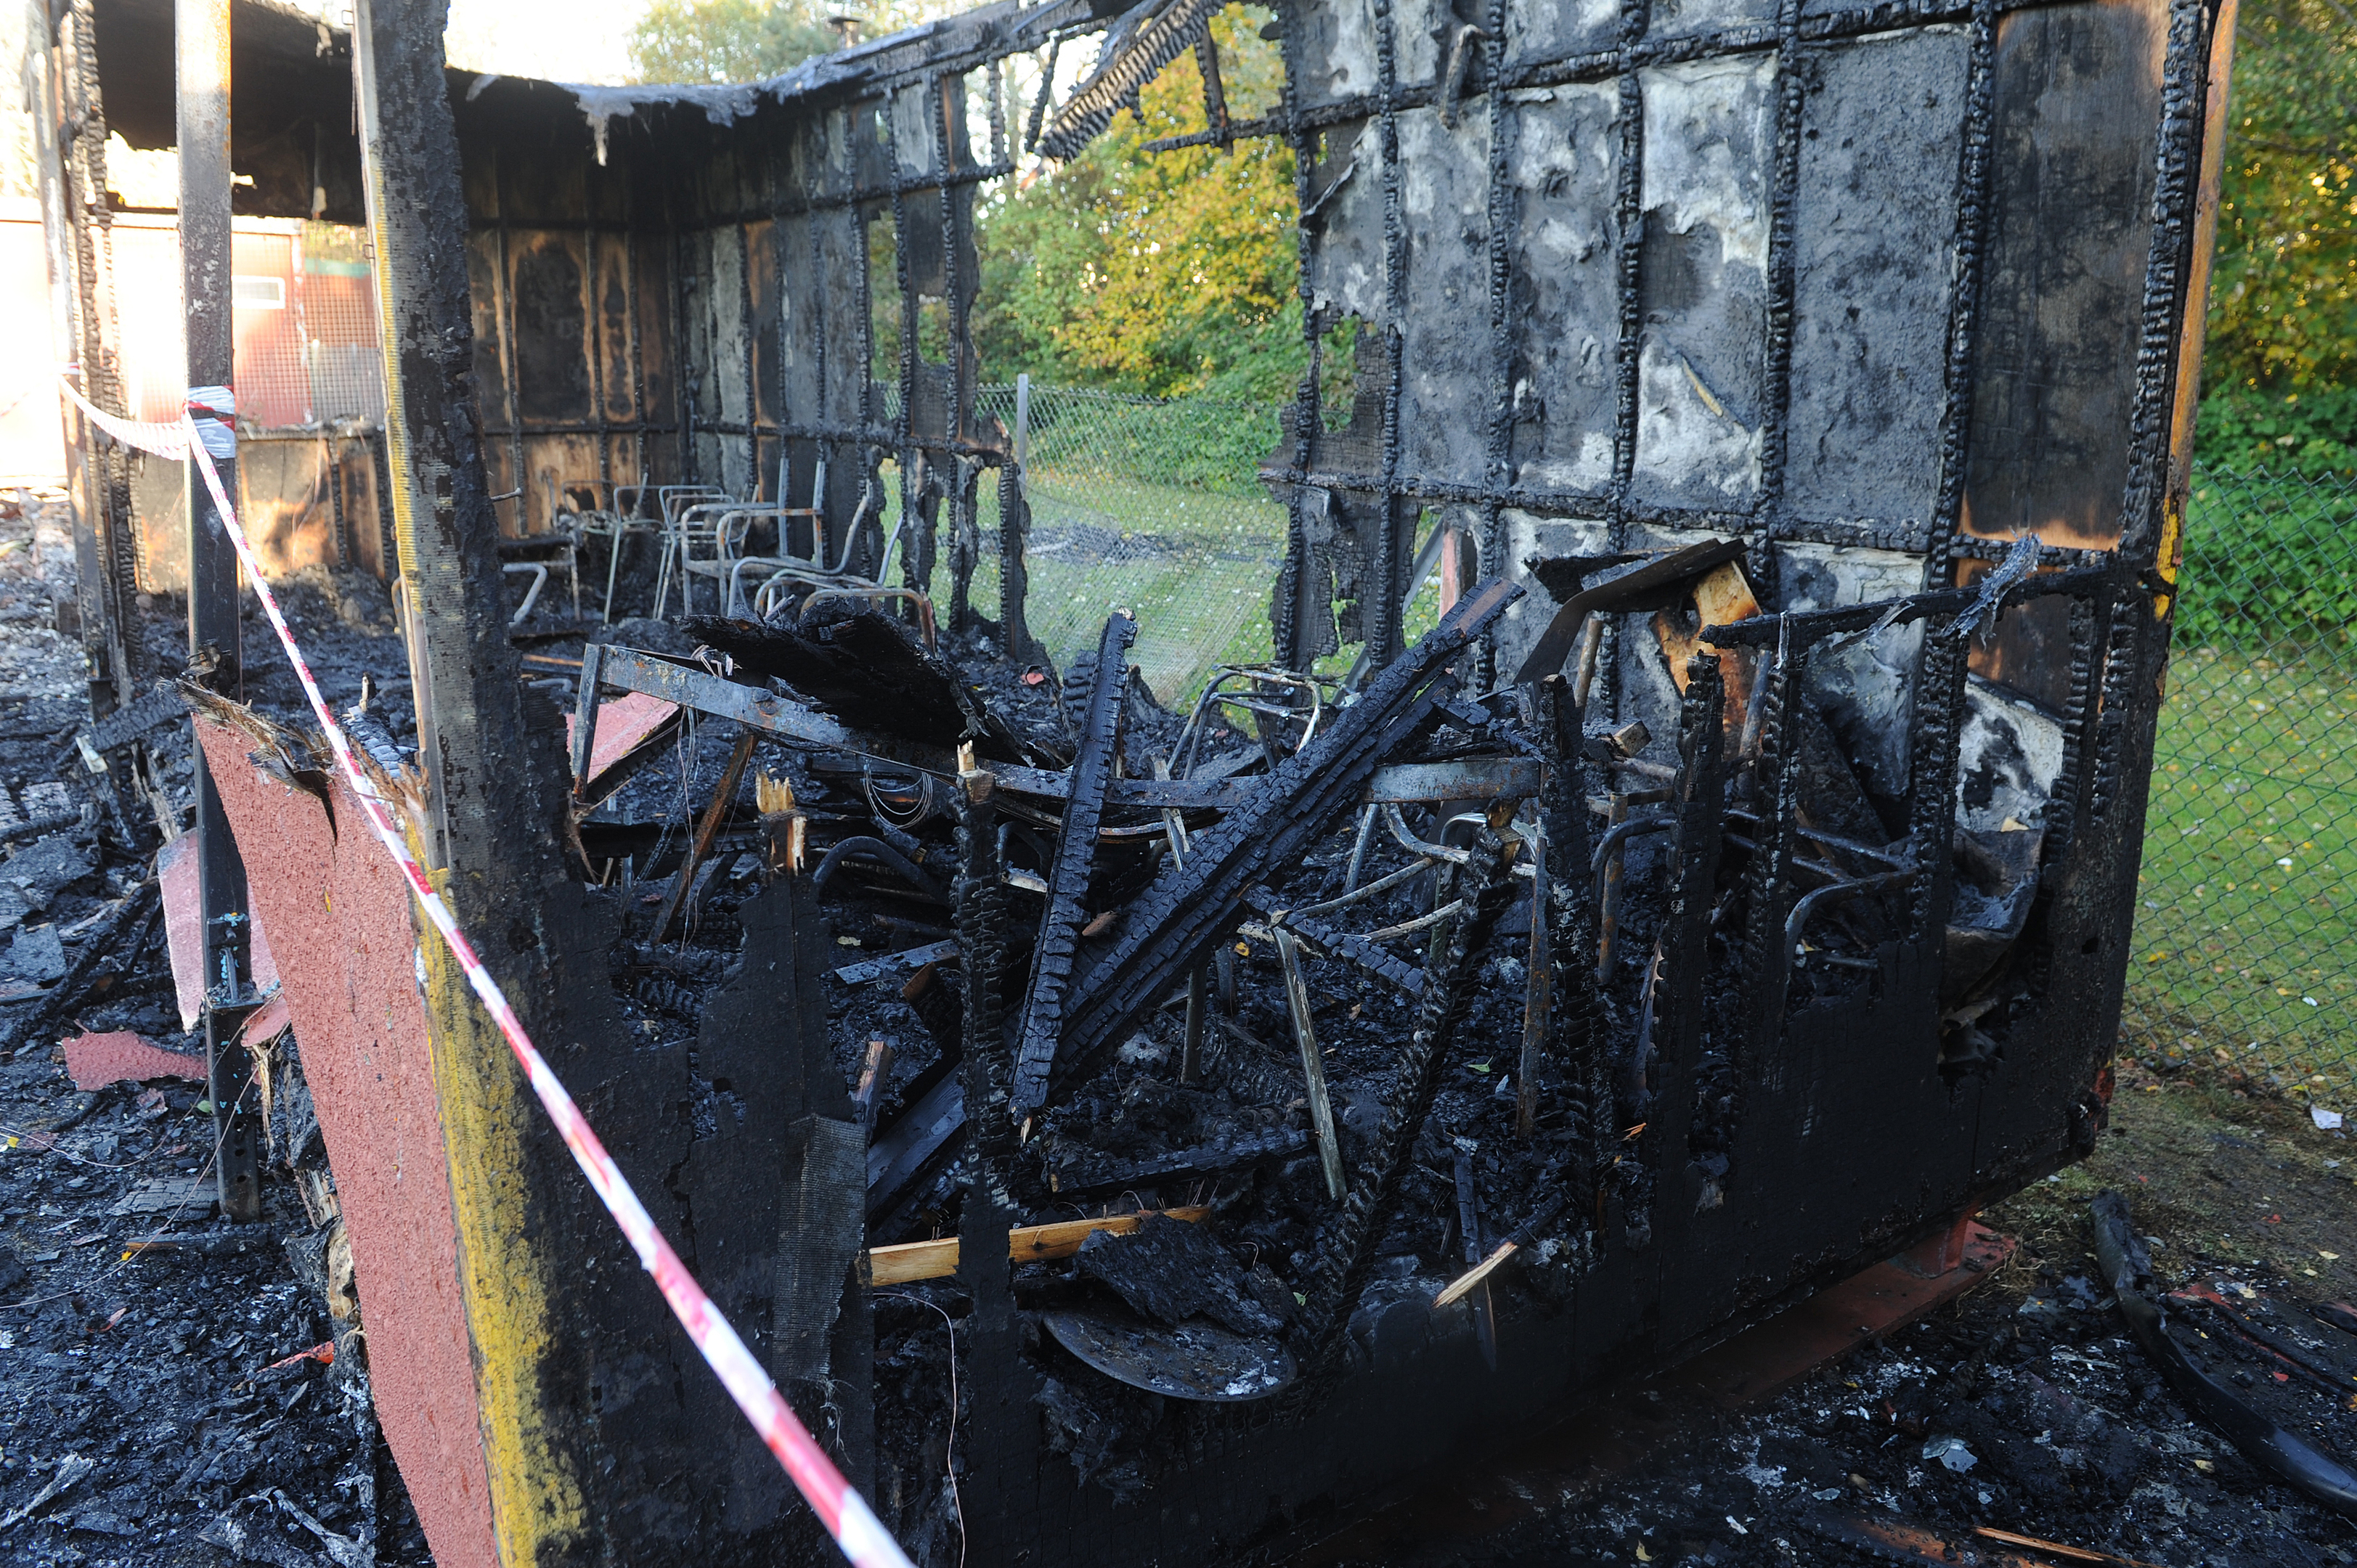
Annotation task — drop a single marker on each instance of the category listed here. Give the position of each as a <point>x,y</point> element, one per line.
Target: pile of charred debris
<point>175,1389</point>
<point>1369,978</point>
<point>1254,1001</point>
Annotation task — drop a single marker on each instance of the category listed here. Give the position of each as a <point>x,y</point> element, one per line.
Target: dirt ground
<point>146,1416</point>
<point>2069,1435</point>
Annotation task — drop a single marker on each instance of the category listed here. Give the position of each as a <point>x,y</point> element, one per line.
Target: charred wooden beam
<point>1082,1175</point>
<point>1175,923</point>
<point>1076,847</point>
<point>1371,956</point>
<point>938,1259</point>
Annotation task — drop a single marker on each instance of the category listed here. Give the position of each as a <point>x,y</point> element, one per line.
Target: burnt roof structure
<point>1811,386</point>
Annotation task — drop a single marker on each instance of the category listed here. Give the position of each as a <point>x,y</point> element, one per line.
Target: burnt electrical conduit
<point>882,854</point>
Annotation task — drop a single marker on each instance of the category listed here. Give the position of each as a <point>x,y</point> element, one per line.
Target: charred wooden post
<point>202,33</point>
<point>1699,802</point>
<point>1002,1443</point>
<point>69,165</point>
<point>469,713</point>
<point>598,1435</point>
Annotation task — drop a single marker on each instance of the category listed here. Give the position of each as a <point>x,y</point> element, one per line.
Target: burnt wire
<point>949,1453</point>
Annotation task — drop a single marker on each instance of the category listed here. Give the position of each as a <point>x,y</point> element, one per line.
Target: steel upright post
<point>202,82</point>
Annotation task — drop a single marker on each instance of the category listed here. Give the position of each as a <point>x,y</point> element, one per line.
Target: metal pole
<point>201,39</point>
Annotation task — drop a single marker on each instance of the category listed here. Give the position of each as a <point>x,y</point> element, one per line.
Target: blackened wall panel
<point>1875,274</point>
<point>1565,314</point>
<point>1702,360</point>
<point>2078,91</point>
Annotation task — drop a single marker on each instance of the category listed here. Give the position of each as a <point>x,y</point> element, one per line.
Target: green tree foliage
<point>2283,318</point>
<point>727,40</point>
<point>744,40</point>
<point>1162,273</point>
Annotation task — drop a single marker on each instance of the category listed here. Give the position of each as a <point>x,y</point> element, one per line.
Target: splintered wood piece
<point>706,831</point>
<point>2056,1549</point>
<point>1463,1284</point>
<point>938,1259</point>
<point>1536,996</point>
<point>1313,1069</point>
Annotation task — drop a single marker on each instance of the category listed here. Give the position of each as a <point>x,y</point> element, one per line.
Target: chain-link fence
<point>1152,506</point>
<point>2243,931</point>
<point>2247,949</point>
<point>1147,504</point>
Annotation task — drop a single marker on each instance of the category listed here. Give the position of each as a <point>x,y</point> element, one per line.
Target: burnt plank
<point>1170,927</point>
<point>1076,849</point>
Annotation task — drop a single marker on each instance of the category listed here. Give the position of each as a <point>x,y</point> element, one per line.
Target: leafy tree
<point>2283,318</point>
<point>744,40</point>
<point>1161,273</point>
<point>2284,296</point>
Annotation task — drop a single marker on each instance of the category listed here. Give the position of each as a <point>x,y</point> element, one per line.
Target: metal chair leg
<point>613,564</point>
<point>538,570</point>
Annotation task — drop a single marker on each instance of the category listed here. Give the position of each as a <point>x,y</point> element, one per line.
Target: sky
<point>557,40</point>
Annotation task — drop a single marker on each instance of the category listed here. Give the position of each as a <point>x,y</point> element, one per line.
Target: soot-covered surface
<point>151,1380</point>
<point>192,1441</point>
<point>2024,1407</point>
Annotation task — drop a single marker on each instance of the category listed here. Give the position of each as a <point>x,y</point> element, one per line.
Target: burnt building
<point>1803,392</point>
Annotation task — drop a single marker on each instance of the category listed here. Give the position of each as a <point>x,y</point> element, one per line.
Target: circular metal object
<point>1196,1360</point>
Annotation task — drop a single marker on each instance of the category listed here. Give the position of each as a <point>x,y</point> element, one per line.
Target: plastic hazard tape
<point>839,1506</point>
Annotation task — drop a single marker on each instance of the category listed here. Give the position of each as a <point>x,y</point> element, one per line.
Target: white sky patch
<point>557,40</point>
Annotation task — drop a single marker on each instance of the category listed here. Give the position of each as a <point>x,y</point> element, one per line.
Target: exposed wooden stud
<point>1313,1070</point>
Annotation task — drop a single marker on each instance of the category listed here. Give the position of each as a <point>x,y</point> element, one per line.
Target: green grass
<point>1195,568</point>
<point>2251,769</point>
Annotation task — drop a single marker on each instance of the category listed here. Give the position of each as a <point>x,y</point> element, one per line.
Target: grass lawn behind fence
<point>2244,918</point>
<point>2244,945</point>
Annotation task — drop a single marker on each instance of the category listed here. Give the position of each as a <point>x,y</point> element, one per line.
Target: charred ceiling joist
<point>1734,887</point>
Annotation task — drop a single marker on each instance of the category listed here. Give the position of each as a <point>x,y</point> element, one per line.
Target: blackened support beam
<point>488,834</point>
<point>1060,927</point>
<point>201,103</point>
<point>1173,926</point>
<point>1698,1081</point>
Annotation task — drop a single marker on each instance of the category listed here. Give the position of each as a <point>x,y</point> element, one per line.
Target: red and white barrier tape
<point>840,1508</point>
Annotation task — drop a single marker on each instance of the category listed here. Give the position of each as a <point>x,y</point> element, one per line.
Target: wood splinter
<point>938,1259</point>
<point>1321,1108</point>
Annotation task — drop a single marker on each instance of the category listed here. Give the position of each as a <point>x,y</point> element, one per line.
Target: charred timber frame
<point>695,361</point>
<point>216,657</point>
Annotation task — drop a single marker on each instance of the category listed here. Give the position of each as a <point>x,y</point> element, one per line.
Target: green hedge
<point>2270,562</point>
